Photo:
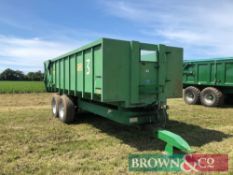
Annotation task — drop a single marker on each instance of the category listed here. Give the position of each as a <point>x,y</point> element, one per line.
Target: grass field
<point>21,86</point>
<point>33,142</point>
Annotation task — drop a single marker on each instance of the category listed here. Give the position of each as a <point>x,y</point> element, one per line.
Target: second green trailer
<point>208,81</point>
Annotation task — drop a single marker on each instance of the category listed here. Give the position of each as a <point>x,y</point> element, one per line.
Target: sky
<point>32,31</point>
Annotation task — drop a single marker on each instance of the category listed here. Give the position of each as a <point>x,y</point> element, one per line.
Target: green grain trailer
<point>125,81</point>
<point>208,81</point>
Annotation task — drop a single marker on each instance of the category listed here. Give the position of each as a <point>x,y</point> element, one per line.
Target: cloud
<point>30,53</point>
<point>203,28</point>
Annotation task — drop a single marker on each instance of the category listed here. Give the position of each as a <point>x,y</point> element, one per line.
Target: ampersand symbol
<point>189,164</point>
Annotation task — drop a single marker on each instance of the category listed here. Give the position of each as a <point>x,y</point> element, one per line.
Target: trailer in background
<point>208,82</point>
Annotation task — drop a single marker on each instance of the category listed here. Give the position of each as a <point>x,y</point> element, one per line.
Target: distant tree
<point>30,76</point>
<point>7,74</point>
<point>39,76</point>
<point>19,75</point>
<point>10,74</point>
<point>35,76</point>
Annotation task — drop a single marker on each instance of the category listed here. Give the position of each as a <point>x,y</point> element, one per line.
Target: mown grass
<point>33,142</point>
<point>21,86</point>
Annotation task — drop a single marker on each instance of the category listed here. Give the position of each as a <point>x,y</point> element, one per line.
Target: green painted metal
<point>173,141</point>
<point>110,71</point>
<point>122,74</point>
<point>215,72</point>
<point>125,116</point>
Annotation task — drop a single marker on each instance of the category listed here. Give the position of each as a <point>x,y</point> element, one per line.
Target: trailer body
<point>213,73</point>
<point>125,81</point>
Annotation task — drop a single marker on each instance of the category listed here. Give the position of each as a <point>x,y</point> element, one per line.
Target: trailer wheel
<point>211,97</point>
<point>66,109</point>
<point>55,104</point>
<point>191,95</point>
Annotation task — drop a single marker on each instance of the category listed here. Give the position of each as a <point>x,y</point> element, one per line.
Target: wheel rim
<point>61,110</point>
<point>209,98</point>
<point>190,96</point>
<point>54,106</point>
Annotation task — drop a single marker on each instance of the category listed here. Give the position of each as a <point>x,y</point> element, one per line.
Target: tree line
<point>17,75</point>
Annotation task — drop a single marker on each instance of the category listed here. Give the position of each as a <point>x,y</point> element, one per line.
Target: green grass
<point>33,142</point>
<point>21,86</point>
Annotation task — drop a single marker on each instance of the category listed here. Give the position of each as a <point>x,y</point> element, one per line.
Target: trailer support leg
<point>173,141</point>
<point>169,149</point>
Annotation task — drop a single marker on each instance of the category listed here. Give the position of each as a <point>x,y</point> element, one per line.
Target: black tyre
<point>191,95</point>
<point>55,104</point>
<point>66,109</point>
<point>212,97</point>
